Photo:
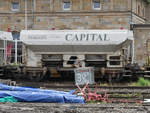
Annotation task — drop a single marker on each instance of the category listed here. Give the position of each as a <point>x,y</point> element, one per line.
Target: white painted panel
<point>33,59</point>
<point>75,37</point>
<point>5,35</point>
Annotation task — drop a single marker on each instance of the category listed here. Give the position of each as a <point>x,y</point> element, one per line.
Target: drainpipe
<point>133,49</point>
<point>33,9</point>
<point>131,28</point>
<point>34,5</point>
<point>16,54</point>
<point>26,14</point>
<point>4,51</point>
<point>131,18</point>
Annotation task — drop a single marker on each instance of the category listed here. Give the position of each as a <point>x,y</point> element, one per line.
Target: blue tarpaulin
<point>24,94</point>
<point>8,99</point>
<point>17,88</point>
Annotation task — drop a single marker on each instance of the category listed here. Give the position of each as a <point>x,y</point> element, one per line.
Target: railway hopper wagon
<point>52,53</point>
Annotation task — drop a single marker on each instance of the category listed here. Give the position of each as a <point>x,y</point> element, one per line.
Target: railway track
<point>101,87</point>
<point>71,85</point>
<point>119,94</point>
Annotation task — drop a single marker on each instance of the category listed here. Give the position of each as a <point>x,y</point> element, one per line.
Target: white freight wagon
<point>59,49</point>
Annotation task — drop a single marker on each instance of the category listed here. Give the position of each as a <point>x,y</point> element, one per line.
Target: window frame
<point>12,6</point>
<point>93,4</point>
<point>66,9</point>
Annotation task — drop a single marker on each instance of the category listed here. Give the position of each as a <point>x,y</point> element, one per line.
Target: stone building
<point>71,14</point>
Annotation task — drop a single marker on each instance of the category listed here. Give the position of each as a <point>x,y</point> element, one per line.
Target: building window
<point>96,5</point>
<point>66,5</point>
<point>139,10</point>
<point>15,6</point>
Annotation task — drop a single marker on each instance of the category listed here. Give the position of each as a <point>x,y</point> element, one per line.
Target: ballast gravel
<point>72,108</point>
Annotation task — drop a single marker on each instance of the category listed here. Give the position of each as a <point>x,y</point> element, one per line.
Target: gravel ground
<point>72,108</point>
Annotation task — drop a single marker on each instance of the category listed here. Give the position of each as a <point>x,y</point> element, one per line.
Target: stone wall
<point>142,36</point>
<point>148,13</point>
<point>67,21</point>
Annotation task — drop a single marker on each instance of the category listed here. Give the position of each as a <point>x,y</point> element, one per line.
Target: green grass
<point>143,82</point>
